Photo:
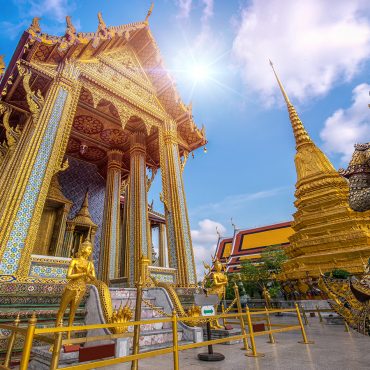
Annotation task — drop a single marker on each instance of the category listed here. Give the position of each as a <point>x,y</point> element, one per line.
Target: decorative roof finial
<point>71,30</point>
<point>35,26</point>
<point>149,12</point>
<point>101,21</point>
<point>218,233</point>
<point>233,225</point>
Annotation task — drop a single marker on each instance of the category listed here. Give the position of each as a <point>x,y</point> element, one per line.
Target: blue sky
<point>321,50</point>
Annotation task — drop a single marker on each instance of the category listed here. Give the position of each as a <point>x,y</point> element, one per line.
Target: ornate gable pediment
<point>121,72</point>
<point>126,61</point>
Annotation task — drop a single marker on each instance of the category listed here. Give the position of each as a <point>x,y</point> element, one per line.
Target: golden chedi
<point>328,234</point>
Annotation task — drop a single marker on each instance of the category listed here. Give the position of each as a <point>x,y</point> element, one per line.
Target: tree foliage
<point>338,274</point>
<point>255,276</point>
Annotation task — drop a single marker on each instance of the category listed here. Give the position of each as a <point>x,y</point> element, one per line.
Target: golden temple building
<point>88,119</point>
<point>248,244</point>
<point>328,234</point>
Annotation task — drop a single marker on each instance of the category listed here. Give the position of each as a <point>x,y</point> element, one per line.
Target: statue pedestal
<point>222,333</point>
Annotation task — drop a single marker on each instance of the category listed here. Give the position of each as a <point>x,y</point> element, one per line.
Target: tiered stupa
<point>328,233</point>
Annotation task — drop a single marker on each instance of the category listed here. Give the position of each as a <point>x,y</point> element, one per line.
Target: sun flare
<point>199,72</point>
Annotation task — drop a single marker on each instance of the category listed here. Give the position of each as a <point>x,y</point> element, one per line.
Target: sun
<point>199,72</point>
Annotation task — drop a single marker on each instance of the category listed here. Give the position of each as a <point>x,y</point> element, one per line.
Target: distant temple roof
<point>247,244</point>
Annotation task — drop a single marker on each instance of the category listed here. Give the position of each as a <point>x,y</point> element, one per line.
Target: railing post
<point>57,347</point>
<point>319,313</point>
<point>175,341</point>
<point>240,312</point>
<point>304,336</point>
<point>304,315</point>
<point>28,342</point>
<point>223,311</point>
<point>346,327</point>
<point>271,337</point>
<point>136,339</point>
<point>254,352</point>
<point>11,343</point>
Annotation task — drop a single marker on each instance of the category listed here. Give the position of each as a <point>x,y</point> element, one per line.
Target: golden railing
<point>319,310</point>
<point>32,333</point>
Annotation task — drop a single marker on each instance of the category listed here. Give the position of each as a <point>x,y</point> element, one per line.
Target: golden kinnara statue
<point>267,297</point>
<point>81,271</point>
<point>219,281</point>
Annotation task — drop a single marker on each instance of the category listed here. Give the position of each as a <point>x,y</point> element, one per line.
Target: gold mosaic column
<point>9,167</point>
<point>138,206</point>
<point>42,158</point>
<point>111,225</point>
<point>162,245</point>
<point>179,244</point>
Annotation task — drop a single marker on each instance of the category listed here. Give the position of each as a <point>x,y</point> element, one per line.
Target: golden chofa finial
<point>35,26</point>
<point>280,85</point>
<point>71,30</point>
<point>149,12</point>
<point>101,21</point>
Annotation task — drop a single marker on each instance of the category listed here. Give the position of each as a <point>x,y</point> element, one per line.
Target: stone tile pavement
<point>334,349</point>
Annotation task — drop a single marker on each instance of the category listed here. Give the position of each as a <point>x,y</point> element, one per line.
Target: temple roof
<point>36,47</point>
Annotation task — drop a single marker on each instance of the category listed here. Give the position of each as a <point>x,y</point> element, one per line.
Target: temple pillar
<point>9,166</point>
<point>36,166</point>
<point>150,242</point>
<point>111,225</point>
<point>181,255</point>
<point>138,237</point>
<point>162,245</point>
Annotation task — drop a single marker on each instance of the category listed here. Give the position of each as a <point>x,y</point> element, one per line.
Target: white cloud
<point>346,127</point>
<point>313,43</point>
<point>58,8</point>
<point>207,10</point>
<point>12,30</point>
<point>184,7</point>
<point>55,9</point>
<point>231,203</point>
<point>204,243</point>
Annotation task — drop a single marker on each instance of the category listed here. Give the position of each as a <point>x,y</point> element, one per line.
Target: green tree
<point>257,275</point>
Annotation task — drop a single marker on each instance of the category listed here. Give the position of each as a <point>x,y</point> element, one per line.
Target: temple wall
<point>79,177</point>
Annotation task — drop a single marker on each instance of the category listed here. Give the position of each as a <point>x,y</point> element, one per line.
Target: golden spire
<point>300,134</point>
<point>85,206</point>
<point>83,216</point>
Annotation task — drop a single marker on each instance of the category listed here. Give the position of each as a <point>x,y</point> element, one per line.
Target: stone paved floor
<point>334,349</point>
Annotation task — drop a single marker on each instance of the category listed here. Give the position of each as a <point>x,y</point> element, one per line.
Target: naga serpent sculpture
<point>350,298</point>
